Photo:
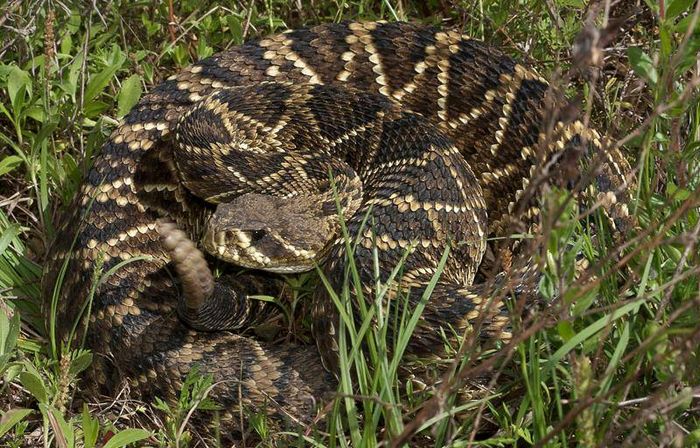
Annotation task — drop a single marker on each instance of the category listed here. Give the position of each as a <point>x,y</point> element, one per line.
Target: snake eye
<point>256,235</point>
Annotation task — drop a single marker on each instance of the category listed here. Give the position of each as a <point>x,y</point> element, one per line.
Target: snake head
<point>271,233</point>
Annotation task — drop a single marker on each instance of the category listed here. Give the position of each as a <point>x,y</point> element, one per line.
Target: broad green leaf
<point>91,428</point>
<point>81,362</point>
<point>4,359</point>
<point>565,330</point>
<point>37,113</point>
<point>204,50</point>
<point>9,236</point>
<point>9,330</point>
<point>675,193</point>
<point>93,109</point>
<point>66,44</point>
<point>642,64</point>
<point>33,383</point>
<point>234,25</point>
<point>10,418</point>
<point>18,83</point>
<point>73,25</point>
<point>99,81</point>
<point>5,70</point>
<point>683,24</point>
<point>129,95</point>
<point>12,371</point>
<point>30,345</point>
<point>180,55</point>
<point>126,437</point>
<point>677,7</point>
<point>70,83</point>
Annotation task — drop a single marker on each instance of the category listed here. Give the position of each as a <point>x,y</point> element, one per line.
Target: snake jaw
<point>217,244</point>
<point>248,248</point>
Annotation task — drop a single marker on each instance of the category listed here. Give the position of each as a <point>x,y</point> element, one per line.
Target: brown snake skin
<point>440,129</point>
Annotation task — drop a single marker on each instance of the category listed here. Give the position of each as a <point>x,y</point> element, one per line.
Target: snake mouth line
<point>236,248</point>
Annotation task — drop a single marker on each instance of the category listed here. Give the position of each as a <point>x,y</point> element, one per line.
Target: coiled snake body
<point>424,132</point>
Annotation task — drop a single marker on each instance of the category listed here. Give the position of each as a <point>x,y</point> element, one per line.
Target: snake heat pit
<point>428,135</point>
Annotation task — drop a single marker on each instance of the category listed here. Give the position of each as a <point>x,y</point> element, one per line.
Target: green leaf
<point>5,70</point>
<point>677,7</point>
<point>565,330</point>
<point>12,371</point>
<point>91,428</point>
<point>590,331</point>
<point>570,3</point>
<point>33,383</point>
<point>683,24</point>
<point>37,113</point>
<point>665,41</point>
<point>653,5</point>
<point>180,55</point>
<point>81,362</point>
<point>9,330</point>
<point>642,64</point>
<point>65,435</point>
<point>234,25</point>
<point>70,82</point>
<point>93,109</point>
<point>73,25</point>
<point>204,50</point>
<point>583,301</point>
<point>10,418</point>
<point>126,437</point>
<point>18,83</point>
<point>675,193</point>
<point>4,359</point>
<point>9,236</point>
<point>147,72</point>
<point>99,81</point>
<point>129,95</point>
<point>66,44</point>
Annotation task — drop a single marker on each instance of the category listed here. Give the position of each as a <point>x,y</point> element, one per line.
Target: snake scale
<point>428,134</point>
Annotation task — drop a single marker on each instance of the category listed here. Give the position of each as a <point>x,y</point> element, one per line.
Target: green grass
<point>611,359</point>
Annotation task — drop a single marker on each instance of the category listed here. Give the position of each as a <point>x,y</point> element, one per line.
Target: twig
<point>172,25</point>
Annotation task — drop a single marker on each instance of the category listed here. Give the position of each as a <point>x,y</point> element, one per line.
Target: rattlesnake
<point>426,132</point>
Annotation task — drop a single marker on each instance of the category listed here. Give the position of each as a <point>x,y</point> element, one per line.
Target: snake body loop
<point>430,134</point>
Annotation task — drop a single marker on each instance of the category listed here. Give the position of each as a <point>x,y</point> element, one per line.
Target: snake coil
<point>425,132</point>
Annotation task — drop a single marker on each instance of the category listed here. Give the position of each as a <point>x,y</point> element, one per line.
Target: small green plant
<point>194,395</point>
<point>49,388</point>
